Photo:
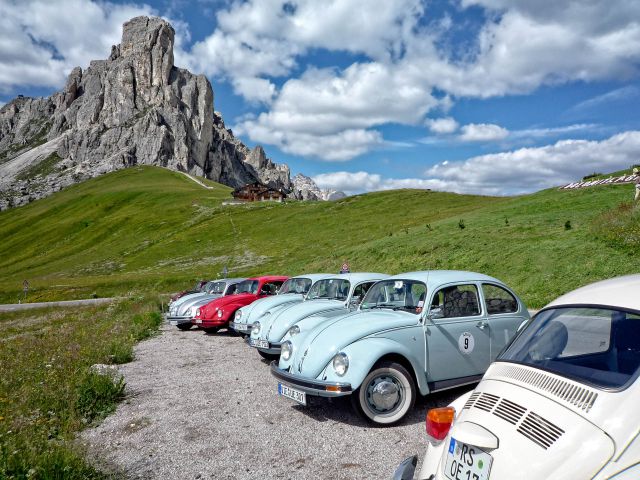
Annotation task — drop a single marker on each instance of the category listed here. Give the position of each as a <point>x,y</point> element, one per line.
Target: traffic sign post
<point>25,288</point>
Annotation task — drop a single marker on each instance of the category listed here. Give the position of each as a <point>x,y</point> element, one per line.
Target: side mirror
<point>435,313</point>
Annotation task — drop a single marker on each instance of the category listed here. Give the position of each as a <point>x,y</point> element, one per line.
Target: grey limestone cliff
<point>135,108</point>
<point>304,188</point>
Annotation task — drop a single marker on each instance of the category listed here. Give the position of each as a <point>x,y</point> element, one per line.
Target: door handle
<point>481,325</point>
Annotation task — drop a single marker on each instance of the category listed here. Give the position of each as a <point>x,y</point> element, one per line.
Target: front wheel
<point>211,329</point>
<point>386,394</point>
<point>184,326</point>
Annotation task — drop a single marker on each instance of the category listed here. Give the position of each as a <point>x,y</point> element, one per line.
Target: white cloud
<point>41,41</point>
<point>508,173</point>
<point>482,132</point>
<point>618,95</point>
<point>530,169</point>
<point>442,125</point>
<point>533,133</point>
<point>358,182</point>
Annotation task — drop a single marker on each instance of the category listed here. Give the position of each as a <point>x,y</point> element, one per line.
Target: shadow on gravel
<point>341,410</point>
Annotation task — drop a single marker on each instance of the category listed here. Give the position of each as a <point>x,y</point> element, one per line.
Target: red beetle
<point>219,312</point>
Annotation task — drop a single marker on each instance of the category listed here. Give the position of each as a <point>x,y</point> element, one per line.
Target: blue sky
<point>481,96</point>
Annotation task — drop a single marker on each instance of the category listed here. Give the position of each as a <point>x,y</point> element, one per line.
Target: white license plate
<point>198,321</point>
<point>259,343</point>
<point>292,393</point>
<point>173,322</point>
<point>467,462</point>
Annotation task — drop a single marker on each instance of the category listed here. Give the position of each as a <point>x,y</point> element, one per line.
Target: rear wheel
<point>185,326</point>
<point>269,356</point>
<point>387,393</point>
<point>211,329</point>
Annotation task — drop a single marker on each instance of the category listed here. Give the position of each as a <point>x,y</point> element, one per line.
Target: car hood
<point>196,302</point>
<point>541,431</point>
<point>257,309</point>
<point>186,298</point>
<point>321,344</point>
<point>274,327</point>
<point>241,298</point>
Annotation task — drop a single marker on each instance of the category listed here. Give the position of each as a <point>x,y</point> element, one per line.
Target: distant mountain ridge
<point>304,188</point>
<point>134,108</point>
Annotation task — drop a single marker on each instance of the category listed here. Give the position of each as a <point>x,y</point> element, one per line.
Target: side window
<point>457,301</point>
<point>232,289</point>
<point>360,290</point>
<point>498,300</point>
<point>271,288</point>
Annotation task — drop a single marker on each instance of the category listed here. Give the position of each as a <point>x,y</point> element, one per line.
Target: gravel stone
<point>206,406</point>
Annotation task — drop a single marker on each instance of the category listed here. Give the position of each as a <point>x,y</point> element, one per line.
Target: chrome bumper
<point>178,320</point>
<point>315,387</point>
<point>241,327</point>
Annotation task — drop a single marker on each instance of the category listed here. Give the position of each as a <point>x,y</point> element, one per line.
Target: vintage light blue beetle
<point>292,291</point>
<point>414,333</point>
<point>328,298</point>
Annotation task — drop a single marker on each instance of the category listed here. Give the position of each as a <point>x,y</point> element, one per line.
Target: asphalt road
<point>12,307</point>
<point>205,406</point>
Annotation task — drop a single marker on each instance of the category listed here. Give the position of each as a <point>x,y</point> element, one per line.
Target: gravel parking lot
<point>205,406</point>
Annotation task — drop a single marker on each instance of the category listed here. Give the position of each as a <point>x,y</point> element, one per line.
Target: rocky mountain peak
<point>136,107</point>
<point>304,188</point>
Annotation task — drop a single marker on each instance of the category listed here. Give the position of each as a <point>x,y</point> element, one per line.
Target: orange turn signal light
<point>332,388</point>
<point>439,421</point>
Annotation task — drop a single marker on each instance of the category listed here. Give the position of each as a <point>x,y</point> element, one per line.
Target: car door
<point>457,337</point>
<point>503,315</point>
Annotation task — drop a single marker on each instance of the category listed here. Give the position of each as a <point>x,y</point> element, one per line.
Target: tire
<point>211,329</point>
<point>388,407</point>
<point>185,326</point>
<point>269,356</point>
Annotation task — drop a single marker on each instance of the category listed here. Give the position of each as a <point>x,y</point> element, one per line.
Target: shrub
<point>461,224</point>
<point>97,396</point>
<point>590,176</point>
<point>567,225</point>
<point>120,351</point>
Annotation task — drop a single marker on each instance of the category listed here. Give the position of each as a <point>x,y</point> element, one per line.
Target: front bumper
<point>315,387</point>
<point>178,320</point>
<point>241,327</point>
<point>273,348</point>
<point>210,323</point>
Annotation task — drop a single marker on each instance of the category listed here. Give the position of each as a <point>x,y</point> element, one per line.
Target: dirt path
<point>205,406</point>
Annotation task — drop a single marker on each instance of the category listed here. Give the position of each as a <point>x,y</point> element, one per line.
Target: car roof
<point>435,278</point>
<point>269,278</point>
<point>356,277</point>
<point>616,292</point>
<point>314,277</point>
<point>229,280</point>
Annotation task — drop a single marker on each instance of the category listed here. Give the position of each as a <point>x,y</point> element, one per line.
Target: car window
<point>596,345</point>
<point>457,301</point>
<point>331,288</point>
<point>216,288</point>
<point>360,291</point>
<point>231,289</point>
<point>498,300</point>
<point>406,295</point>
<point>248,286</point>
<point>296,285</point>
<point>270,288</point>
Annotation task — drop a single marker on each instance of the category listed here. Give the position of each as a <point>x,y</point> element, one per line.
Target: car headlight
<point>255,328</point>
<point>238,316</point>
<point>286,349</point>
<point>198,312</point>
<point>341,364</point>
<point>190,312</point>
<point>294,330</point>
<point>220,313</point>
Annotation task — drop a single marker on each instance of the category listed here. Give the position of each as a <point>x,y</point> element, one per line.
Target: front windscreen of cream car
<point>405,295</point>
<point>296,285</point>
<point>330,288</point>
<point>595,345</point>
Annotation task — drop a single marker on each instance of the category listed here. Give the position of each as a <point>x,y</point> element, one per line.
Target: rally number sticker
<point>466,343</point>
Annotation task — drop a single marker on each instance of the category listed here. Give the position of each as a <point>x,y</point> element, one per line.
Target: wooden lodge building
<point>257,192</point>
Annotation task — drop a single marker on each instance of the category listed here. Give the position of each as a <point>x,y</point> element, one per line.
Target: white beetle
<point>561,402</point>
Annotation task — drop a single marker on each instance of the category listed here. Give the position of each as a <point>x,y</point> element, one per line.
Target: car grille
<point>534,427</point>
<point>571,393</point>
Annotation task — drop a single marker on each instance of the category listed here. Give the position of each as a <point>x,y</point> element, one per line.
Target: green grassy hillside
<point>153,230</point>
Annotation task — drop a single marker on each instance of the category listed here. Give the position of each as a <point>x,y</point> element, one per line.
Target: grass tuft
<point>98,395</point>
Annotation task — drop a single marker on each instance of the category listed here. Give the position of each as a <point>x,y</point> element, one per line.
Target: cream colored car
<point>561,402</point>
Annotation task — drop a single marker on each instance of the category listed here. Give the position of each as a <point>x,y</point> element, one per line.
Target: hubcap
<point>384,394</point>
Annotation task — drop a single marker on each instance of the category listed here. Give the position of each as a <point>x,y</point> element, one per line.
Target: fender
<point>364,354</point>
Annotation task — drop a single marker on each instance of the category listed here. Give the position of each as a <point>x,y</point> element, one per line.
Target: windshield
<point>215,288</point>
<point>248,286</point>
<point>199,286</point>
<point>332,288</point>
<point>405,295</point>
<point>296,285</point>
<point>599,346</point>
